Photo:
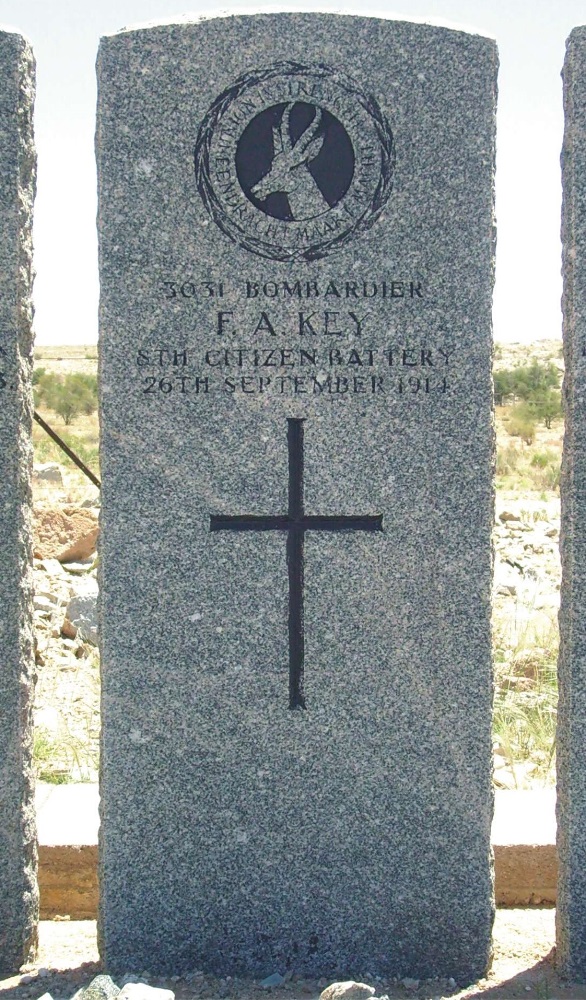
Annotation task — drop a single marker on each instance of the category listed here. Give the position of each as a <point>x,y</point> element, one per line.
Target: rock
<point>68,533</point>
<point>53,567</point>
<point>274,980</point>
<point>50,472</point>
<point>503,777</point>
<point>508,515</point>
<point>48,718</point>
<point>348,990</point>
<point>79,568</point>
<point>45,604</point>
<point>141,991</point>
<point>83,586</point>
<point>100,988</point>
<point>92,500</point>
<point>48,595</point>
<point>82,613</point>
<point>68,630</point>
<point>410,984</point>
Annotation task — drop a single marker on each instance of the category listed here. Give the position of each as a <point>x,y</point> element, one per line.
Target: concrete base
<point>68,881</point>
<point>67,825</point>
<point>523,838</point>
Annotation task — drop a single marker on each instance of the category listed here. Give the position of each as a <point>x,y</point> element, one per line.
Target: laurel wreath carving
<point>229,226</point>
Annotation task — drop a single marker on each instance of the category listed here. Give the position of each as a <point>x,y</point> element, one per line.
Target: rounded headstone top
<point>577,34</point>
<point>297,7</point>
<point>8,32</point>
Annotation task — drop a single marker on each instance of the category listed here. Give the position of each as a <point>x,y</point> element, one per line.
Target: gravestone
<point>296,244</point>
<point>571,728</point>
<point>18,852</point>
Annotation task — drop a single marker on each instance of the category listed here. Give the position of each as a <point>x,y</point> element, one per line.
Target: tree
<point>503,385</point>
<point>546,405</point>
<point>529,380</point>
<point>67,395</point>
<point>521,423</point>
<point>535,385</point>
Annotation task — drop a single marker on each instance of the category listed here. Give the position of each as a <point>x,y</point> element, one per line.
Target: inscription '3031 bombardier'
<point>292,162</point>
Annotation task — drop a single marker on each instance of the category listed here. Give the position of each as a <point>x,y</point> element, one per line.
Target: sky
<point>531,37</point>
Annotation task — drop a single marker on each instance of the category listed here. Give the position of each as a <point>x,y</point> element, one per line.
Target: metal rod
<point>64,447</point>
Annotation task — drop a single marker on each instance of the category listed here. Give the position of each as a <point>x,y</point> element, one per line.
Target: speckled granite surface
<point>18,851</point>
<point>296,242</point>
<point>571,731</point>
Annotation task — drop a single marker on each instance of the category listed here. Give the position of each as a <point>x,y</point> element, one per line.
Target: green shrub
<point>508,460</point>
<point>520,468</point>
<point>67,395</point>
<point>546,405</point>
<point>535,384</point>
<point>548,465</point>
<point>541,459</point>
<point>521,423</point>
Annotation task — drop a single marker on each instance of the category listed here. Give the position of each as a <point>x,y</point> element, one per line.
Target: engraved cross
<point>295,522</point>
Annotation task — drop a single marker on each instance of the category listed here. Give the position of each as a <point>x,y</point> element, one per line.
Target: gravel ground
<point>523,967</point>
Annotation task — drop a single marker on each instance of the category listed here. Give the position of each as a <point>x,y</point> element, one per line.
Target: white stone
<point>50,472</point>
<point>347,990</point>
<point>141,991</point>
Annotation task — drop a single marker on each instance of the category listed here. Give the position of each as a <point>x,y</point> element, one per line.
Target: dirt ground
<point>523,966</point>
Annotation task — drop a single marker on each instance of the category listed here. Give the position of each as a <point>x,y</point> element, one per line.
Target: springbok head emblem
<point>288,173</point>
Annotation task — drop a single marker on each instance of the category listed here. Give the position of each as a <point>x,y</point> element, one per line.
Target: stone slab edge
<point>571,730</point>
<point>19,902</point>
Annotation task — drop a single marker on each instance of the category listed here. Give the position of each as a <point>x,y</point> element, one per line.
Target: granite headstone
<point>571,729</point>
<point>18,852</point>
<point>296,243</point>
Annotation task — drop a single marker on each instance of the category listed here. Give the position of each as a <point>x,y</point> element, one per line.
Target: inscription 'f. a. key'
<point>295,522</point>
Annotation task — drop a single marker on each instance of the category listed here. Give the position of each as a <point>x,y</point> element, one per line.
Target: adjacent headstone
<point>571,729</point>
<point>296,241</point>
<point>18,853</point>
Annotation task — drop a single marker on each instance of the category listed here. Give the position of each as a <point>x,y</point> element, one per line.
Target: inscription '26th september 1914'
<point>317,337</point>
